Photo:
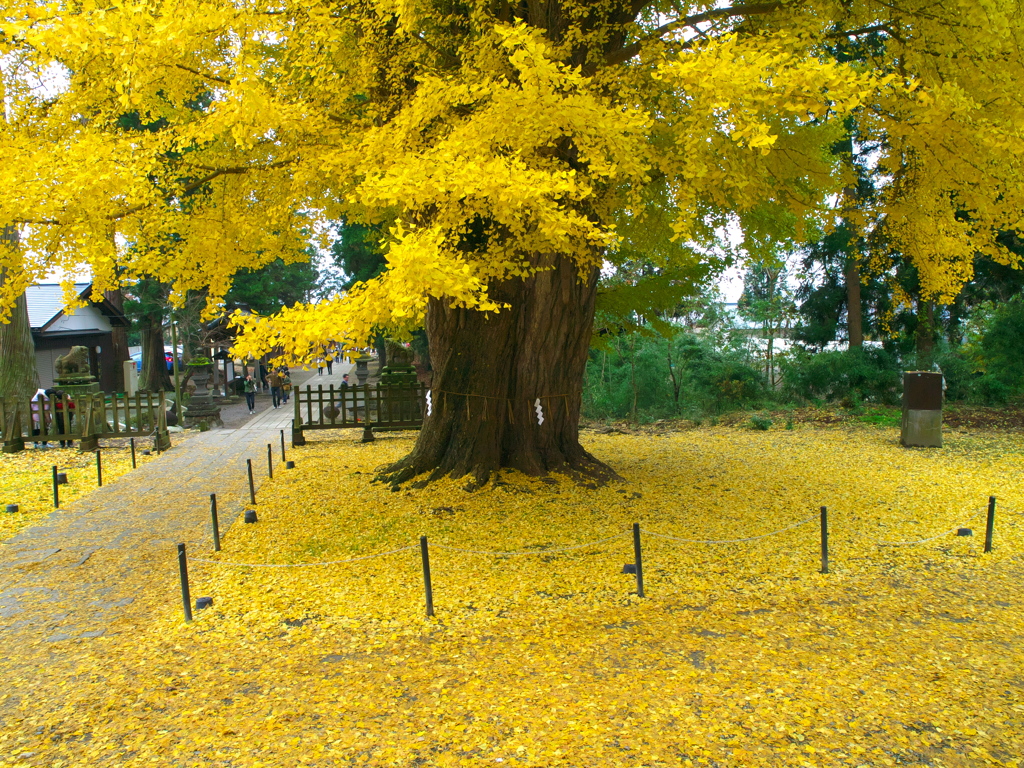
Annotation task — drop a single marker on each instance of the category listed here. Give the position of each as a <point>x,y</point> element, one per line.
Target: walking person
<point>319,366</point>
<point>286,384</point>
<point>330,365</point>
<point>250,393</point>
<point>57,399</point>
<point>38,405</point>
<point>274,379</point>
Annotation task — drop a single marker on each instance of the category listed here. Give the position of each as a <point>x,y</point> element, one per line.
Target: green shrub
<point>866,374</point>
<point>760,422</point>
<point>647,377</point>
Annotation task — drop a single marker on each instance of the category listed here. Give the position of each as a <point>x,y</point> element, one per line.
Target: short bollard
<point>270,461</point>
<point>991,523</point>
<point>249,516</point>
<point>824,539</point>
<point>289,465</point>
<point>639,562</point>
<point>132,442</point>
<point>99,469</point>
<point>56,490</point>
<point>425,553</point>
<point>283,457</point>
<point>12,508</point>
<point>216,527</point>
<point>186,600</point>
<point>252,486</point>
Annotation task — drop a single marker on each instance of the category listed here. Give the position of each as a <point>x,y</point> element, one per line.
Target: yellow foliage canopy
<point>186,140</point>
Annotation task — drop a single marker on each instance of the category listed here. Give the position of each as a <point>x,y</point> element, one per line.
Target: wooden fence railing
<point>85,418</point>
<point>378,408</point>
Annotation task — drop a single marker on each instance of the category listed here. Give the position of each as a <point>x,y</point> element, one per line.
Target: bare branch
<point>204,75</point>
<point>749,9</point>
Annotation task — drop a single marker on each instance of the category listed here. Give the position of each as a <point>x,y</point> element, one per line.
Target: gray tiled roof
<point>46,300</point>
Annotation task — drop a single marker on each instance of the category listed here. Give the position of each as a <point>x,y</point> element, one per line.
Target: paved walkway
<point>70,576</point>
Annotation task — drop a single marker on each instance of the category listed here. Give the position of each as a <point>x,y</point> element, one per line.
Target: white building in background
<point>55,330</point>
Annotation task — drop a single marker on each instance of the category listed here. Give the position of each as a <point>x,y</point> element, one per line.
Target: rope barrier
<point>502,553</point>
<point>954,529</point>
<point>299,565</point>
<point>730,541</point>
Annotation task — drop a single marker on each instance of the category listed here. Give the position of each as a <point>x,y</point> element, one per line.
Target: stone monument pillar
<point>922,409</point>
<point>200,406</point>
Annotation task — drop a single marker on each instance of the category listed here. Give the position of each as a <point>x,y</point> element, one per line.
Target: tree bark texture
<point>489,371</point>
<point>119,340</point>
<point>154,376</point>
<point>925,333</point>
<point>854,311</point>
<point>18,375</point>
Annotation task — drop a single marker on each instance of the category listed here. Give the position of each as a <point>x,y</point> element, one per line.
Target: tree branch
<point>749,9</point>
<point>204,75</point>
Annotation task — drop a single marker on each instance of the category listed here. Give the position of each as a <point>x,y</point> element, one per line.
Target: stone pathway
<point>72,575</point>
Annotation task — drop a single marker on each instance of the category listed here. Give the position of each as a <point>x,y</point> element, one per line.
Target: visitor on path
<point>319,366</point>
<point>57,399</point>
<point>330,365</point>
<point>250,393</point>
<point>286,384</point>
<point>263,377</point>
<point>38,419</point>
<point>275,387</point>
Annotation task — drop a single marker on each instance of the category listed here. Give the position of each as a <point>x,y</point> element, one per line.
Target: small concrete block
<point>922,429</point>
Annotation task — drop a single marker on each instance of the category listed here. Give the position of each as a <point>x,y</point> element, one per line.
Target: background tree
<point>18,375</point>
<point>508,151</point>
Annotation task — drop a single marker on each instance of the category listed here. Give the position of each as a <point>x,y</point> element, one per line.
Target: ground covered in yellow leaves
<point>542,654</point>
<point>26,478</point>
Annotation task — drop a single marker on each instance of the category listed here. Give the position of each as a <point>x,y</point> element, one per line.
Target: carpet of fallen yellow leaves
<point>26,479</point>
<point>741,654</point>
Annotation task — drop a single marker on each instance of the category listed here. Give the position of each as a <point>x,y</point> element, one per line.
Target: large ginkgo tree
<point>506,151</point>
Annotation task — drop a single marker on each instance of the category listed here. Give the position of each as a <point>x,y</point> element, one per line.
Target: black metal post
<point>991,523</point>
<point>824,539</point>
<point>56,491</point>
<point>270,461</point>
<point>426,575</point>
<point>186,599</point>
<point>99,469</point>
<point>639,560</point>
<point>216,527</point>
<point>283,459</point>
<point>252,487</point>
<point>132,441</point>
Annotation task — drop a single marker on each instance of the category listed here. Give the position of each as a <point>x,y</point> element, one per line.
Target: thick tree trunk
<point>18,375</point>
<point>490,370</point>
<point>854,313</point>
<point>154,376</point>
<point>925,333</point>
<point>119,340</point>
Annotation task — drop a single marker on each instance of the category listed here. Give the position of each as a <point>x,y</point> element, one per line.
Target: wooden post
<point>824,539</point>
<point>990,523</point>
<point>428,589</point>
<point>639,560</point>
<point>186,599</point>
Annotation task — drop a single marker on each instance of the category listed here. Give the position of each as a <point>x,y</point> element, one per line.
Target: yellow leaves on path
<point>26,479</point>
<point>741,655</point>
